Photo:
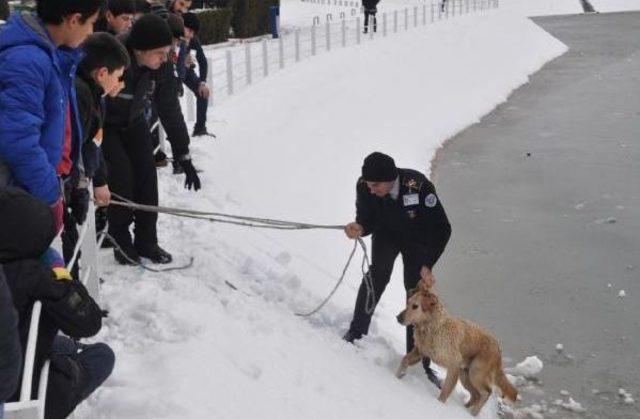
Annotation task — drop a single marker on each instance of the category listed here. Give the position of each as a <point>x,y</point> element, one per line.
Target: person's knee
<point>106,355</point>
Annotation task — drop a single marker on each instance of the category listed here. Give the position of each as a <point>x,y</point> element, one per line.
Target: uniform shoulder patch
<point>430,200</point>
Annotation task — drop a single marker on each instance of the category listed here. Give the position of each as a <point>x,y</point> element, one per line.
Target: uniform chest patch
<point>410,199</point>
<point>430,200</point>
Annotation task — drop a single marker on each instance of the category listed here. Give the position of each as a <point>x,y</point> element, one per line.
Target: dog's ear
<point>428,301</point>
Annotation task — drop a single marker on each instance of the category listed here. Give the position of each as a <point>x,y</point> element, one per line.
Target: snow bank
<point>220,340</point>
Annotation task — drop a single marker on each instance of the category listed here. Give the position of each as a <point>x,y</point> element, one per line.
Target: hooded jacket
<point>36,90</point>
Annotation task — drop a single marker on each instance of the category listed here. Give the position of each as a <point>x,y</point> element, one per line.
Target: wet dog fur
<point>466,350</point>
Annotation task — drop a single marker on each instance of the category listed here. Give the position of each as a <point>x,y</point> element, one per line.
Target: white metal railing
<point>236,67</point>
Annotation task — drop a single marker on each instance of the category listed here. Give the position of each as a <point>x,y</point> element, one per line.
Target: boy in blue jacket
<point>38,58</point>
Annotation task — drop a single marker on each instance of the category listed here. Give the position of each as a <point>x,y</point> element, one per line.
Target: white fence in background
<point>236,67</point>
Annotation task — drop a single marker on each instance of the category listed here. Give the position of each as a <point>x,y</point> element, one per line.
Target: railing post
<point>247,62</point>
<point>415,16</point>
<point>89,260</point>
<point>384,24</point>
<point>265,58</point>
<point>453,9</point>
<point>229,73</point>
<point>281,52</point>
<point>313,40</point>
<point>432,11</point>
<point>344,33</point>
<point>395,21</point>
<point>424,14</point>
<point>358,30</point>
<point>328,36</point>
<point>191,102</point>
<point>406,19</point>
<point>467,6</point>
<point>211,84</point>
<point>297,42</point>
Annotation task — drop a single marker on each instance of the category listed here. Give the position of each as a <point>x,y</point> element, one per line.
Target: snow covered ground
<point>221,340</point>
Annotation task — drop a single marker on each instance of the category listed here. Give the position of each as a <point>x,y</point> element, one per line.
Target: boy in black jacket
<point>127,145</point>
<point>197,83</point>
<point>34,274</point>
<point>98,75</point>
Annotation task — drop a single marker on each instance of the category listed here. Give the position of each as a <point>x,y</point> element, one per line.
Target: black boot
<point>199,131</point>
<point>431,374</point>
<point>352,335</point>
<point>156,254</point>
<point>126,255</point>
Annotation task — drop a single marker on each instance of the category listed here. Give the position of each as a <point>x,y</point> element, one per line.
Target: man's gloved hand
<point>57,209</point>
<point>79,204</point>
<point>191,176</point>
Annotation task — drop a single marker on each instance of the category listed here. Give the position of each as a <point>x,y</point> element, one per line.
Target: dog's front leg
<point>449,384</point>
<point>409,359</point>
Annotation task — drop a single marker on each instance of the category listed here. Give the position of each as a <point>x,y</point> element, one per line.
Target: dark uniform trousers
<point>193,83</point>
<point>132,175</point>
<point>385,249</point>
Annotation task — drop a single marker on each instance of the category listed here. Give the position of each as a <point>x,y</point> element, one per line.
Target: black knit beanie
<point>150,32</point>
<point>26,225</point>
<point>176,25</point>
<point>191,21</point>
<point>379,167</point>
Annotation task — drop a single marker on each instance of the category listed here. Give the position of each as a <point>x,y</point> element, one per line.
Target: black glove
<point>79,204</point>
<point>191,176</point>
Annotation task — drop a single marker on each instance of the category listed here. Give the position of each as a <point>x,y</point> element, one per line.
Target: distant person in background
<point>197,83</point>
<point>118,17</point>
<point>370,9</point>
<point>179,7</point>
<point>4,10</point>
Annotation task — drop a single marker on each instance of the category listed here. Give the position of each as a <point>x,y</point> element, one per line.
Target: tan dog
<point>465,349</point>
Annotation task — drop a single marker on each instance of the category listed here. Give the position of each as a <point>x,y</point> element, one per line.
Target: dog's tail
<point>508,390</point>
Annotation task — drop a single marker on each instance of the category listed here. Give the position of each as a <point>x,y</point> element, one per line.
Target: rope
<point>255,222</point>
<point>106,235</point>
<point>223,218</point>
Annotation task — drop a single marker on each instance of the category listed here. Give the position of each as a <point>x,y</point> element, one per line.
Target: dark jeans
<point>366,20</point>
<point>132,175</point>
<point>385,250</point>
<point>201,103</point>
<point>83,369</point>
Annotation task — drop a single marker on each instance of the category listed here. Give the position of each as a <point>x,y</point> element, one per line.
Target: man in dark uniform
<point>127,142</point>
<point>402,211</point>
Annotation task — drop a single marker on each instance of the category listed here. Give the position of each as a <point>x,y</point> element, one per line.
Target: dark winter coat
<point>36,84</point>
<point>91,106</point>
<point>26,226</point>
<point>143,86</point>
<point>26,230</point>
<point>370,5</point>
<point>10,351</point>
<point>415,217</point>
<point>66,306</point>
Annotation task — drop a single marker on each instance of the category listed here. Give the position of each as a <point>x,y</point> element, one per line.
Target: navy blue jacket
<point>10,353</point>
<point>36,84</point>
